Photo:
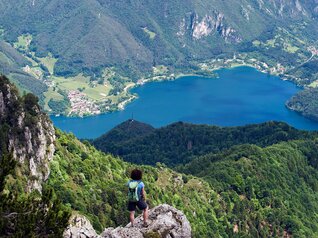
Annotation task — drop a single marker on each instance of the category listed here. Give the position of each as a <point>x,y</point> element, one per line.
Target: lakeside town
<point>82,106</point>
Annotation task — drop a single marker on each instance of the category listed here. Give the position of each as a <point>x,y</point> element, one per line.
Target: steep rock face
<point>29,135</point>
<point>210,24</point>
<point>282,7</point>
<point>164,221</point>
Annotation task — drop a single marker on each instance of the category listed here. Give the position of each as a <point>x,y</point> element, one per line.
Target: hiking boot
<point>145,224</point>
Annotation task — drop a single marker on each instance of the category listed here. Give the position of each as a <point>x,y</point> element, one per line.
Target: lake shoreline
<point>241,95</point>
<point>172,77</point>
<point>206,68</point>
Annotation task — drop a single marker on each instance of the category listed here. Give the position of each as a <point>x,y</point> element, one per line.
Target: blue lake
<point>239,96</point>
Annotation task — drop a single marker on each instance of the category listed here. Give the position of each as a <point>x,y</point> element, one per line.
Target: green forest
<point>265,175</point>
<point>306,103</point>
<point>253,181</point>
<point>180,142</point>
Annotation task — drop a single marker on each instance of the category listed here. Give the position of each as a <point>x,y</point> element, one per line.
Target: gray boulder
<point>80,227</point>
<point>164,221</point>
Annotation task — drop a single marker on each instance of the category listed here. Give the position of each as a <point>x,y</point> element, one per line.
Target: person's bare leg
<point>145,215</point>
<point>132,218</point>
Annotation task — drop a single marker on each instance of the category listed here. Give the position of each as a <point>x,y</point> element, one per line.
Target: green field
<point>23,42</point>
<point>51,94</point>
<point>94,92</point>
<point>49,62</point>
<point>314,84</point>
<point>151,34</point>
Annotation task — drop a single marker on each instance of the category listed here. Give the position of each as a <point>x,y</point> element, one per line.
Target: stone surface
<point>80,227</point>
<point>208,25</point>
<point>30,138</point>
<point>164,221</point>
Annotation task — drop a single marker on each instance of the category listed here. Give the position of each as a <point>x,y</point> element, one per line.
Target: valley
<point>215,101</point>
<point>181,40</point>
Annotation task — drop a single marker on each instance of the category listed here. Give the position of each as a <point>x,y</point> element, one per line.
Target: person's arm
<point>143,193</point>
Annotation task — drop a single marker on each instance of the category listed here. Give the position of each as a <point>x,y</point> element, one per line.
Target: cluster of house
<point>313,50</point>
<point>80,105</point>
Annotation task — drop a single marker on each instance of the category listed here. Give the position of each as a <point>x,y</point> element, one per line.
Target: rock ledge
<point>164,221</point>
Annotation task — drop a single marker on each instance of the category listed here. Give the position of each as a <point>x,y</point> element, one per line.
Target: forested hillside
<point>230,190</point>
<point>180,142</point>
<point>246,190</point>
<point>265,175</point>
<point>268,188</point>
<point>156,31</point>
<point>306,103</point>
<point>102,48</point>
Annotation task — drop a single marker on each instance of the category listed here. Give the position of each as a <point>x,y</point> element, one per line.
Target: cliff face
<point>209,24</point>
<point>27,135</point>
<point>164,221</point>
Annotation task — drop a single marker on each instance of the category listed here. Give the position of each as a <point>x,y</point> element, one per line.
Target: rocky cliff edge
<point>164,221</point>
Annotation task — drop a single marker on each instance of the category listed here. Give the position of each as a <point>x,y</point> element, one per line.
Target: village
<point>80,105</point>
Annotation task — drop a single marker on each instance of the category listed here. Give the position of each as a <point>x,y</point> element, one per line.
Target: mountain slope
<point>27,206</point>
<point>179,143</point>
<point>264,191</point>
<point>244,191</point>
<point>277,186</point>
<point>94,184</point>
<point>101,35</point>
<point>118,45</point>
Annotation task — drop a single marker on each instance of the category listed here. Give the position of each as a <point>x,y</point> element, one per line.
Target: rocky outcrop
<point>210,24</point>
<point>29,135</point>
<point>164,221</point>
<point>80,227</point>
<point>284,8</point>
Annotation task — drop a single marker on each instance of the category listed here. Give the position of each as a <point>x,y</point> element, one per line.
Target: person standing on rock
<point>137,196</point>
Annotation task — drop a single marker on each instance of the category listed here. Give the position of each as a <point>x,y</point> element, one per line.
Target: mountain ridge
<point>177,143</point>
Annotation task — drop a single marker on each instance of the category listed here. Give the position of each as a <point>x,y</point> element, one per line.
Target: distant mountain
<point>179,143</point>
<point>128,130</point>
<point>105,47</point>
<point>306,103</point>
<point>86,36</point>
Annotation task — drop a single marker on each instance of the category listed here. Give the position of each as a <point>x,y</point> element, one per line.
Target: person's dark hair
<point>136,174</point>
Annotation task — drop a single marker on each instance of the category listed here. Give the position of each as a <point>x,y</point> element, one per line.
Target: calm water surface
<point>239,96</point>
